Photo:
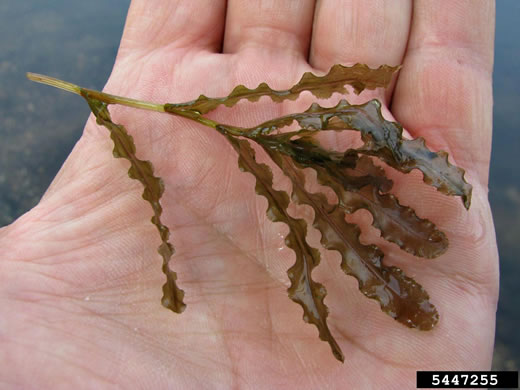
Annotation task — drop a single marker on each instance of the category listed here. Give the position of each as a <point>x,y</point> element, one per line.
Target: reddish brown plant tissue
<point>351,174</point>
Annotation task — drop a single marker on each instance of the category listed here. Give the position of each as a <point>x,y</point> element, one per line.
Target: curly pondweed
<point>351,174</point>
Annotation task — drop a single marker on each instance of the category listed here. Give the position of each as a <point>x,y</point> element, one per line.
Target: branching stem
<point>114,99</point>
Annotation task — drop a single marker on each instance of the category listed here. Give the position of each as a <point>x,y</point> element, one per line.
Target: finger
<point>182,23</point>
<point>370,32</point>
<point>365,31</point>
<point>444,87</point>
<point>269,25</point>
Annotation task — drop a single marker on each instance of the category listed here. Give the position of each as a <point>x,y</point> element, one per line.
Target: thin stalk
<point>101,96</point>
<point>124,101</point>
<point>57,83</point>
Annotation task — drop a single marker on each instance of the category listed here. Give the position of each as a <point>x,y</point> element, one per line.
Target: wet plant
<point>351,174</point>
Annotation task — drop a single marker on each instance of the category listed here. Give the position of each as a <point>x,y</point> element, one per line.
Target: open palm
<point>80,278</point>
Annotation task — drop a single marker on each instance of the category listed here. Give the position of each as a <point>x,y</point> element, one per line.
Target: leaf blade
<point>359,76</point>
<point>124,147</point>
<point>303,290</point>
<point>399,296</point>
<point>358,183</point>
<point>383,139</point>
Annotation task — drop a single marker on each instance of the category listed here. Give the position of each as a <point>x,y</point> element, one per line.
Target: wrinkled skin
<point>80,279</point>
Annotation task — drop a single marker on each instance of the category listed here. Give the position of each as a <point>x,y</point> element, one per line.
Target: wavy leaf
<point>124,147</point>
<point>358,183</point>
<point>343,166</point>
<point>397,223</point>
<point>303,290</point>
<point>383,139</point>
<point>359,76</point>
<point>399,296</point>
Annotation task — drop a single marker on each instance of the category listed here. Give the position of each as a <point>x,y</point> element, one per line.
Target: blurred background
<point>72,41</point>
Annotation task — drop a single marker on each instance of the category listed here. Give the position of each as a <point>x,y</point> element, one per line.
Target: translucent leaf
<point>359,184</point>
<point>383,139</point>
<point>399,296</point>
<point>397,223</point>
<point>303,290</point>
<point>124,147</point>
<point>359,76</point>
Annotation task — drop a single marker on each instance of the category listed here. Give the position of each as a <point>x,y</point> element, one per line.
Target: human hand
<point>80,276</point>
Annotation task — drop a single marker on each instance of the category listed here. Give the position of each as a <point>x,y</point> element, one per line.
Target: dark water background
<point>72,41</point>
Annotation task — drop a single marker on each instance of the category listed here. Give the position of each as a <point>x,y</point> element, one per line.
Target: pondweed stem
<point>124,101</point>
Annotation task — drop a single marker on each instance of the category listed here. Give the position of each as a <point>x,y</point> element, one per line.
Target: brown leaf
<point>399,296</point>
<point>383,139</point>
<point>359,76</point>
<point>124,147</point>
<point>303,290</point>
<point>358,183</point>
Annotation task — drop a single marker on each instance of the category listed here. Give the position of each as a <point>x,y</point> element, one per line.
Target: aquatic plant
<point>357,182</point>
